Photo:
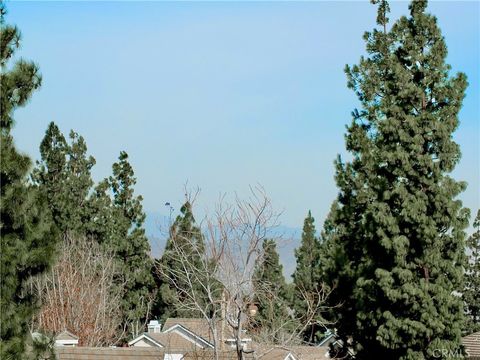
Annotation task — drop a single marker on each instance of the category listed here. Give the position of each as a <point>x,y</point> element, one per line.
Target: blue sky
<point>220,94</point>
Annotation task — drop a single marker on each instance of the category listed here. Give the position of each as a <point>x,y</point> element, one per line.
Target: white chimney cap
<point>153,327</point>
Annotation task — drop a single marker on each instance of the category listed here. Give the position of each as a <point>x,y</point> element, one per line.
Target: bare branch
<point>79,294</point>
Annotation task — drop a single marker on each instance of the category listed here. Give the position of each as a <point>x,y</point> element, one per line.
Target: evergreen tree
<point>271,294</point>
<point>472,280</point>
<point>64,175</point>
<point>397,243</point>
<point>186,237</point>
<point>41,347</point>
<point>27,232</point>
<point>102,225</point>
<point>108,213</point>
<point>130,245</point>
<point>307,277</point>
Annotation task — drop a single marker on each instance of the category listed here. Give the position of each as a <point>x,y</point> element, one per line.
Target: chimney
<point>154,327</point>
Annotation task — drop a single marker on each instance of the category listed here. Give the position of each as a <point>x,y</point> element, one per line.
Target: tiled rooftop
<point>199,326</point>
<point>472,346</point>
<point>266,353</point>
<point>271,352</point>
<point>66,335</point>
<point>173,342</point>
<point>208,355</point>
<point>85,353</point>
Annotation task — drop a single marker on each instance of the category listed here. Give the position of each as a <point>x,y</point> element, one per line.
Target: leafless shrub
<point>80,295</point>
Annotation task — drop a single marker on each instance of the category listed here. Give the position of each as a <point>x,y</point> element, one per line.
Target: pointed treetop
<point>308,227</point>
<point>383,10</point>
<point>417,6</point>
<point>53,139</point>
<point>23,78</point>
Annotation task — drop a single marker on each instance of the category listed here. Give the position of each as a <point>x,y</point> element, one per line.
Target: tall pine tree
<point>64,175</point>
<point>108,213</point>
<point>398,240</point>
<point>130,246</point>
<point>27,232</point>
<point>471,294</point>
<point>273,318</point>
<point>185,237</point>
<point>307,275</point>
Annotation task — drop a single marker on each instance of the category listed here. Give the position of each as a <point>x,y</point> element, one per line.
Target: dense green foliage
<point>307,276</point>
<point>471,294</point>
<point>108,213</point>
<point>185,249</point>
<point>131,246</point>
<point>64,175</point>
<point>271,295</point>
<point>27,232</point>
<point>18,82</point>
<point>41,347</point>
<point>392,248</point>
<point>397,242</point>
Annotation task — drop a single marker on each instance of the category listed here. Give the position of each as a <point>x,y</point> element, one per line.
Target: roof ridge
<point>65,331</point>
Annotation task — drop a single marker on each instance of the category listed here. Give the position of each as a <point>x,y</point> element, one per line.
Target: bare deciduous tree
<point>233,244</point>
<point>80,295</point>
<point>237,233</point>
<point>287,329</point>
<point>233,238</point>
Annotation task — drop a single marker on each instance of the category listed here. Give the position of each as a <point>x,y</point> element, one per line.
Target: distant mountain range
<point>157,224</point>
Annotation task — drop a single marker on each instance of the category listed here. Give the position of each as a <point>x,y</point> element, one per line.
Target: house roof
<point>266,352</point>
<point>175,338</point>
<point>269,352</point>
<point>199,327</point>
<point>472,346</point>
<point>66,335</point>
<point>85,353</point>
<point>174,342</point>
<point>147,338</point>
<point>208,355</point>
<point>310,352</point>
<point>276,354</point>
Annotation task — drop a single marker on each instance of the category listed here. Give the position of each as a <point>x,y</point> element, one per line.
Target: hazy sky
<point>220,94</point>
